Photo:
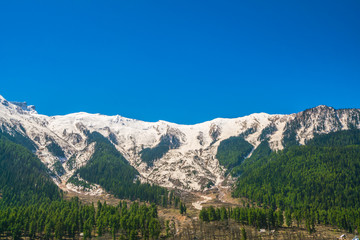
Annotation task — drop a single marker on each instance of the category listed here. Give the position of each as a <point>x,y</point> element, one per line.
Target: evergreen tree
<point>288,218</point>
<point>243,234</point>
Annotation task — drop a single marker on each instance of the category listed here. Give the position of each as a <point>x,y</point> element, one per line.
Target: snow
<point>95,190</point>
<point>189,167</point>
<point>198,205</point>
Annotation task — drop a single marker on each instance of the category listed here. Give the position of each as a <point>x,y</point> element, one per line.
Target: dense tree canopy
<point>256,159</point>
<point>321,176</point>
<point>257,217</point>
<point>23,177</point>
<point>231,152</point>
<point>341,138</point>
<point>55,149</point>
<point>67,219</point>
<point>167,142</point>
<point>18,138</point>
<point>108,168</point>
<point>31,204</point>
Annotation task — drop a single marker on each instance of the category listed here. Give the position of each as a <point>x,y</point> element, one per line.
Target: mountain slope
<point>231,152</point>
<point>23,177</point>
<point>168,154</point>
<point>318,176</point>
<point>108,168</point>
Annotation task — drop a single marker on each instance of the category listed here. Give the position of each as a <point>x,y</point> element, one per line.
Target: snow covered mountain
<point>185,155</point>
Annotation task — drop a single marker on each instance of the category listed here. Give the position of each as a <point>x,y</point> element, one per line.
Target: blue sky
<point>180,61</point>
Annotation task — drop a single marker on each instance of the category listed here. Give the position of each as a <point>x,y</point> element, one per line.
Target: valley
<point>189,226</point>
<point>180,120</point>
<point>264,176</point>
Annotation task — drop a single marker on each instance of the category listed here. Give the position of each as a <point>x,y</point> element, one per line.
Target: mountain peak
<point>25,107</point>
<point>3,101</point>
<point>21,107</point>
<point>323,107</point>
<point>188,152</point>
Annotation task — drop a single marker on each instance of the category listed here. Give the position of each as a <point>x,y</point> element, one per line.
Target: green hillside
<point>322,176</point>
<point>23,177</point>
<point>231,152</point>
<point>108,168</point>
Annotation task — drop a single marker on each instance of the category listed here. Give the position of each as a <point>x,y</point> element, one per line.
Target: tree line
<point>23,177</point>
<point>108,168</point>
<point>268,218</point>
<point>70,219</point>
<point>231,152</point>
<point>257,217</point>
<point>320,178</point>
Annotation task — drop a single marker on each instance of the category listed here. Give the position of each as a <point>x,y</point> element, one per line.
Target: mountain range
<point>187,157</point>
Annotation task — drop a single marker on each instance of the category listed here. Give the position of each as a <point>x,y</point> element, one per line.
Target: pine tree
<point>288,218</point>
<point>243,234</point>
<point>154,228</point>
<point>32,229</point>
<point>48,231</point>
<point>182,208</point>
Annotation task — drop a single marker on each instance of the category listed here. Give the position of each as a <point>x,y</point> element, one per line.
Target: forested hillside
<point>342,138</point>
<point>18,138</point>
<point>256,159</point>
<point>108,168</point>
<point>31,204</point>
<point>23,177</point>
<point>231,152</point>
<point>321,176</point>
<point>67,219</point>
<point>167,142</point>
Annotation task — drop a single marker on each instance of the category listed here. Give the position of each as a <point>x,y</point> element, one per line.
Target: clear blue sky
<point>180,61</point>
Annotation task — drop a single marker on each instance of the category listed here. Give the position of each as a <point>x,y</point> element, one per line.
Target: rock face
<point>319,120</point>
<point>189,161</point>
